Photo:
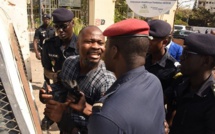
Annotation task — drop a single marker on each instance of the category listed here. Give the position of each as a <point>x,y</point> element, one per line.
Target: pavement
<point>37,83</point>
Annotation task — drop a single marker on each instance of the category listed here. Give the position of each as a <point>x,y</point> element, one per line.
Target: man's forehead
<point>93,32</point>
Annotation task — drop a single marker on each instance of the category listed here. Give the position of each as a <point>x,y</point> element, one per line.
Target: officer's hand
<point>166,127</point>
<point>44,96</point>
<point>38,56</point>
<point>80,106</point>
<point>54,110</point>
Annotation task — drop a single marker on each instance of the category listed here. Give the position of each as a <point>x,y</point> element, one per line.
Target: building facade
<point>207,4</point>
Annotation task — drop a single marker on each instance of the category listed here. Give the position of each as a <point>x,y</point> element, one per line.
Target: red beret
<point>128,27</point>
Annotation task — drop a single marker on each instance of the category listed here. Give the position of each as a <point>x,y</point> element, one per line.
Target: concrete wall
<point>17,12</point>
<point>101,13</point>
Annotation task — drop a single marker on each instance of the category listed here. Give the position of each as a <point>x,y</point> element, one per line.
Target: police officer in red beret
<point>195,91</point>
<point>134,103</point>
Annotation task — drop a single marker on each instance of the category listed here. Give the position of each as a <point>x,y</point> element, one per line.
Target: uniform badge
<point>53,62</point>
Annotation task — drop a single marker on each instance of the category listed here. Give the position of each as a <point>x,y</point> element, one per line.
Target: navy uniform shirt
<point>133,105</point>
<point>165,69</point>
<point>54,54</point>
<point>195,112</point>
<point>43,33</point>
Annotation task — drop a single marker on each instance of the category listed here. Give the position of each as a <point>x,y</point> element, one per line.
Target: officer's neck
<point>66,42</point>
<point>158,56</point>
<point>198,80</point>
<point>45,25</point>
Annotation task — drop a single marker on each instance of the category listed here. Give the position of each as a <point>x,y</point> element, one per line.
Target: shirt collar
<point>209,82</point>
<point>95,70</point>
<point>168,46</point>
<point>73,42</point>
<point>126,77</point>
<point>163,60</point>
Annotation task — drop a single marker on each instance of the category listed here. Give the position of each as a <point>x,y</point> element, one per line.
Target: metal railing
<point>8,123</point>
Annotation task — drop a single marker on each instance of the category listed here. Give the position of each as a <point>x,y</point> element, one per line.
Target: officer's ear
<point>114,52</point>
<point>165,42</point>
<point>208,61</point>
<point>73,23</point>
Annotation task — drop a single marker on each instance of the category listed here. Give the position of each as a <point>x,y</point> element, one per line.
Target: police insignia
<point>53,62</point>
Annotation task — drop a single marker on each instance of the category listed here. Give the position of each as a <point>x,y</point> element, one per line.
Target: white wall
<point>17,12</point>
<point>101,10</point>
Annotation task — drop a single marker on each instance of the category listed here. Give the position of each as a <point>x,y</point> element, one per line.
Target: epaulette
<point>97,106</point>
<point>179,74</point>
<point>54,40</point>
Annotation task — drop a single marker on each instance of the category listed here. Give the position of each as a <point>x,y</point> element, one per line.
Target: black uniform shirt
<point>164,69</point>
<point>132,105</point>
<point>54,54</point>
<point>195,112</point>
<point>44,32</point>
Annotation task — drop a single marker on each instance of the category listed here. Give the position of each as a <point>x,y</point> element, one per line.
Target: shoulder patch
<point>177,64</point>
<point>97,107</point>
<point>179,74</point>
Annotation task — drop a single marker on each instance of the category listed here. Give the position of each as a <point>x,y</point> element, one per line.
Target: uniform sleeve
<point>101,125</point>
<point>210,118</point>
<point>46,62</point>
<point>36,34</point>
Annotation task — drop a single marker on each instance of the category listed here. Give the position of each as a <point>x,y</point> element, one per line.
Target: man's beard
<point>90,64</point>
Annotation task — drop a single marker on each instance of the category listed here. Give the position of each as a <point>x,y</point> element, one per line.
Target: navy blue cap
<point>62,15</point>
<point>47,16</point>
<point>201,43</point>
<point>159,28</point>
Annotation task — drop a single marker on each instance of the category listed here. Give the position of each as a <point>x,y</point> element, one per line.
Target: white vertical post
<point>101,13</point>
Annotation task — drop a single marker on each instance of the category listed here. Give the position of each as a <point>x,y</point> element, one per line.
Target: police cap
<point>62,15</point>
<point>47,16</point>
<point>128,27</point>
<point>201,43</point>
<point>159,28</point>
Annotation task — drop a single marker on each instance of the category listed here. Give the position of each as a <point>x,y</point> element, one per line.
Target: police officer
<point>134,103</point>
<point>159,61</point>
<point>43,32</point>
<point>195,91</point>
<point>57,49</point>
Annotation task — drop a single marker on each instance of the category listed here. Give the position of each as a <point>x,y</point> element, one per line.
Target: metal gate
<point>79,8</point>
<point>8,123</point>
